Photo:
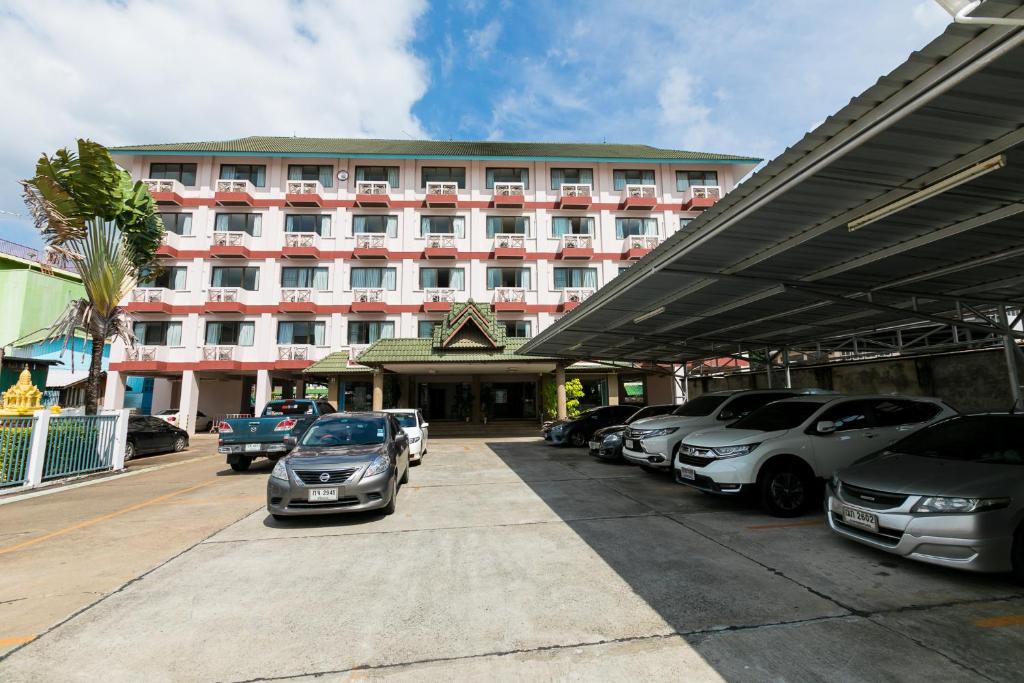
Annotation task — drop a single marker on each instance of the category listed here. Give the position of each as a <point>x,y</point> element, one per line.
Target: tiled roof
<point>334,364</point>
<point>423,351</point>
<point>490,333</point>
<point>454,149</point>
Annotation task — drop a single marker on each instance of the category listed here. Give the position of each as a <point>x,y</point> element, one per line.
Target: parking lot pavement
<point>510,560</point>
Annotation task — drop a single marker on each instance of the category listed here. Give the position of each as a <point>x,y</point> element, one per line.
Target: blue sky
<point>742,77</point>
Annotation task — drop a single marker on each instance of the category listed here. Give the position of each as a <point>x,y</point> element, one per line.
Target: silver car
<point>951,494</point>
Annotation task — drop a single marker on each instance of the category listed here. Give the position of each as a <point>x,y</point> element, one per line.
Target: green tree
<point>92,212</point>
<point>549,397</point>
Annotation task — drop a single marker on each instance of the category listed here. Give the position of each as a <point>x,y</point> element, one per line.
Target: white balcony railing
<point>224,295</point>
<point>440,240</point>
<point>577,190</point>
<point>641,242</point>
<point>164,185</point>
<point>509,189</point>
<point>443,188</point>
<point>301,239</point>
<point>223,238</point>
<point>294,352</point>
<point>373,240</point>
<point>235,186</point>
<point>368,295</point>
<point>576,295</point>
<point>297,295</point>
<point>703,192</point>
<point>577,242</point>
<point>218,352</point>
<point>148,295</point>
<point>640,191</point>
<point>142,353</point>
<point>509,241</point>
<point>304,187</point>
<point>438,295</point>
<point>509,295</point>
<point>378,187</point>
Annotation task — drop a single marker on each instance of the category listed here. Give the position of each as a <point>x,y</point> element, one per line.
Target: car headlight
<point>665,431</point>
<point>414,439</point>
<point>379,465</point>
<point>613,438</point>
<point>280,471</point>
<point>959,505</point>
<point>734,451</point>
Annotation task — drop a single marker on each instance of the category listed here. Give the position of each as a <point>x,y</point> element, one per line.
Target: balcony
<point>234,193</point>
<point>297,300</point>
<point>509,245</point>
<point>166,192</point>
<point>225,300</point>
<point>309,193</point>
<point>371,246</point>
<point>373,193</point>
<point>143,354</point>
<point>296,356</point>
<point>438,299</point>
<point>638,246</point>
<point>442,195</point>
<point>509,195</point>
<point>576,247</point>
<point>574,296</point>
<point>700,197</point>
<point>440,245</point>
<point>368,300</point>
<point>148,357</point>
<point>230,245</point>
<point>509,299</point>
<point>219,357</point>
<point>149,300</point>
<point>576,196</point>
<point>640,197</point>
<point>301,245</point>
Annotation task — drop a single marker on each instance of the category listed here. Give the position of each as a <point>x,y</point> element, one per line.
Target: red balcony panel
<point>514,201</point>
<point>292,364</point>
<point>699,203</point>
<point>437,306</point>
<point>300,252</point>
<point>296,307</point>
<point>166,250</point>
<point>369,307</point>
<point>440,252</point>
<point>373,200</point>
<point>441,200</point>
<point>147,307</point>
<point>509,252</point>
<point>167,198</point>
<point>224,307</point>
<point>226,251</point>
<point>306,200</point>
<point>569,305</point>
<point>370,253</point>
<point>510,306</point>
<point>233,199</point>
<point>632,254</point>
<point>639,203</point>
<point>576,253</point>
<point>575,202</point>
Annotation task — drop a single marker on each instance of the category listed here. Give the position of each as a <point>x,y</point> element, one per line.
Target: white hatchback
<point>782,449</point>
<point>413,425</point>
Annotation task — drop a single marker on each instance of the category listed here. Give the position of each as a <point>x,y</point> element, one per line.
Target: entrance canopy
<point>905,208</point>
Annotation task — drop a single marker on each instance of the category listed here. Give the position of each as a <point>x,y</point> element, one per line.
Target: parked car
<point>951,494</point>
<point>411,422</point>
<point>147,434</point>
<point>781,450</point>
<point>243,439</point>
<point>203,423</point>
<point>578,430</point>
<point>653,442</point>
<point>343,463</point>
<point>606,443</point>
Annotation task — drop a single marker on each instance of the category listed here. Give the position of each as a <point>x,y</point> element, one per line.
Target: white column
<point>189,403</point>
<point>262,390</point>
<point>37,449</point>
<point>120,439</point>
<point>113,395</point>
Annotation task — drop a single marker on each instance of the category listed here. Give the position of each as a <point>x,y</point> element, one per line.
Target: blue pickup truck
<point>243,439</point>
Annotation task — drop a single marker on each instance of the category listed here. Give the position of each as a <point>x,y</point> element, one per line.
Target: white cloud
<point>483,40</point>
<point>140,71</point>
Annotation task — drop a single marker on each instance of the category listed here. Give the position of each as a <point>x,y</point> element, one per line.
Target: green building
<point>34,292</point>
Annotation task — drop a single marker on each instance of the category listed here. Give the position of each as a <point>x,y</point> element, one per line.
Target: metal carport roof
<point>774,263</point>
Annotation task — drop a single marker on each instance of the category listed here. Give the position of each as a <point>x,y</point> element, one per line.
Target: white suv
<point>653,442</point>
<point>783,448</point>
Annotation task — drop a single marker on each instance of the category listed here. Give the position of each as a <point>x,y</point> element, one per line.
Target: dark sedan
<point>606,443</point>
<point>577,430</point>
<point>345,462</point>
<point>147,434</point>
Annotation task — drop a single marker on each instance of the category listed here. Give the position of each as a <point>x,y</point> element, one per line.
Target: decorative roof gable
<point>469,326</point>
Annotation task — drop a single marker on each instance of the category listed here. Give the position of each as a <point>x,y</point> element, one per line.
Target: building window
<point>632,176</point>
<point>626,227</point>
<point>425,328</point>
<point>508,277</point>
<point>325,174</point>
<point>310,332</point>
<point>379,225</point>
<point>234,333</point>
<point>443,174</point>
<point>572,225</point>
<point>238,222</point>
<point>183,173</point>
<point>684,223</point>
<point>374,278</point>
<point>378,174</point>
<point>255,174</point>
<point>517,328</point>
<point>572,176</point>
<point>369,331</point>
<point>178,223</point>
<point>172,277</point>
<point>158,334</point>
<point>575,277</point>
<point>623,269</point>
<point>687,179</point>
<point>245,277</point>
<point>444,225</point>
<point>451,278</point>
<point>308,222</point>
<point>506,225</point>
<point>304,277</point>
<point>507,175</point>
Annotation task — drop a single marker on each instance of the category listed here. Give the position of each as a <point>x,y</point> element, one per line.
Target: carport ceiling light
<point>948,183</point>
<point>648,315</point>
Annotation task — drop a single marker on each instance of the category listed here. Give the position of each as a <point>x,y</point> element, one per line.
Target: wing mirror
<point>825,427</point>
<point>425,425</point>
<point>290,442</point>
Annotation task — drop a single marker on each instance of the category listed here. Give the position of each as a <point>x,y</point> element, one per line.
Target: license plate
<point>595,445</point>
<point>633,445</point>
<point>687,473</point>
<point>860,518</point>
<point>249,447</point>
<point>322,495</point>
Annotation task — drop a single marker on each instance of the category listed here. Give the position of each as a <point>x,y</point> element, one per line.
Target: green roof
<point>334,364</point>
<point>423,351</point>
<point>442,149</point>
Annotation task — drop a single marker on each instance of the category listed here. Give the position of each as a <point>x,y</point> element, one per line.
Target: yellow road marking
<point>16,640</point>
<point>786,525</point>
<point>999,622</point>
<point>101,518</point>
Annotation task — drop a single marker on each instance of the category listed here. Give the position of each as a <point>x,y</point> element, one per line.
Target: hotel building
<point>349,263</point>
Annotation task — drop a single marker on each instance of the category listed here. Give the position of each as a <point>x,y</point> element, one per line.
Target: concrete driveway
<point>514,560</point>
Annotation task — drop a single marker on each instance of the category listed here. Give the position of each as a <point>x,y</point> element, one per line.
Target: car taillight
<point>224,428</point>
<point>172,419</point>
<point>285,425</point>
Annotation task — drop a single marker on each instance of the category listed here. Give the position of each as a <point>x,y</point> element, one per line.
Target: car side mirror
<point>290,442</point>
<point>727,415</point>
<point>825,427</point>
<point>425,424</point>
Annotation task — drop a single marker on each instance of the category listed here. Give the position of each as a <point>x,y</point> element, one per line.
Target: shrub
<point>14,444</point>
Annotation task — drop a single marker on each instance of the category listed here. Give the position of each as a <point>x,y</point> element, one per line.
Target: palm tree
<point>92,212</point>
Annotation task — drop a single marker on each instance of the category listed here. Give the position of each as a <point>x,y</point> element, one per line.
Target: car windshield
<point>649,411</point>
<point>405,419</point>
<point>993,439</point>
<point>278,408</point>
<point>700,406</point>
<point>345,431</point>
<point>777,416</point>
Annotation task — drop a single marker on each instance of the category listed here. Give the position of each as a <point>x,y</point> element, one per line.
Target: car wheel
<point>1017,555</point>
<point>129,450</point>
<point>180,444</point>
<point>578,439</point>
<point>240,464</point>
<point>393,503</point>
<point>786,489</point>
<point>405,476</point>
